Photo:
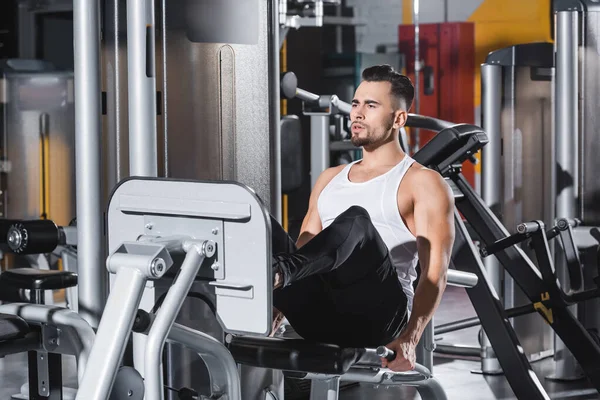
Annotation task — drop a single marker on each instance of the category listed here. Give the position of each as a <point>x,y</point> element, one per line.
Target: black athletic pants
<point>340,287</point>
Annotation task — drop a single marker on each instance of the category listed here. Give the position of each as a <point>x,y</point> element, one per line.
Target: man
<point>349,278</point>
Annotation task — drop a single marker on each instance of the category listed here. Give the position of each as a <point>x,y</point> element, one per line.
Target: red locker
<point>448,54</point>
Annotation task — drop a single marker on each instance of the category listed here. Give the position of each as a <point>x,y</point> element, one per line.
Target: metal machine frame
<point>153,222</point>
<point>185,216</point>
<point>542,289</point>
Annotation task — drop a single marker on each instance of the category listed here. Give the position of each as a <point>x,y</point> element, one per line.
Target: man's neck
<point>389,153</point>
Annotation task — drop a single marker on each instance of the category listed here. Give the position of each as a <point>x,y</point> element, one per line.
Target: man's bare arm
<point>311,225</point>
<point>434,229</point>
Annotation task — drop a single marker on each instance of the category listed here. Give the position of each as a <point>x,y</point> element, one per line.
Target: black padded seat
<point>37,279</point>
<point>12,327</point>
<point>294,355</point>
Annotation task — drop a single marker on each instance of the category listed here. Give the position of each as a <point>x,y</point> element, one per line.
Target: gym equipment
<point>48,332</point>
<point>37,139</point>
<point>298,13</point>
<point>576,126</point>
<point>35,286</point>
<point>190,212</point>
<point>91,275</point>
<point>521,84</point>
<point>44,365</point>
<point>37,163</point>
<point>34,239</point>
<point>190,220</point>
<point>235,136</point>
<point>517,183</point>
<point>575,108</point>
<point>541,288</point>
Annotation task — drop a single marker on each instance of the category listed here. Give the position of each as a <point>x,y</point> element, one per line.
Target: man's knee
<point>355,219</point>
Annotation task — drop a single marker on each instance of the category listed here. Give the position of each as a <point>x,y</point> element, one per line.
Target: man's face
<point>375,114</point>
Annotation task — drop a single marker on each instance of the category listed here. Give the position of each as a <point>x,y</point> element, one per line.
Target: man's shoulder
<point>326,177</point>
<point>426,183</point>
<point>330,173</point>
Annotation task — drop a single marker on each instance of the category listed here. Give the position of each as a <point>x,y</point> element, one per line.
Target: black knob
<point>33,237</point>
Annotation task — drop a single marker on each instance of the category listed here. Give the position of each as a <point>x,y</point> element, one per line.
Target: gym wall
<point>498,23</point>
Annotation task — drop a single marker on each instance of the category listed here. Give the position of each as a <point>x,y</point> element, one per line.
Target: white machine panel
<point>228,213</point>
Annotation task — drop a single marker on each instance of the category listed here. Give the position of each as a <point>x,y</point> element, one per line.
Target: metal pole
<point>445,10</point>
<point>142,88</point>
<point>566,112</point>
<point>165,317</point>
<point>566,116</point>
<point>90,241</point>
<point>426,346</point>
<point>339,43</point>
<point>491,183</point>
<point>220,363</point>
<point>274,66</point>
<point>112,334</point>
<point>319,146</point>
<point>165,96</point>
<point>415,140</point>
<point>143,152</point>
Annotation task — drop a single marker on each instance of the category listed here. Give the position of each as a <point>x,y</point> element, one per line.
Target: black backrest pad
<point>292,161</point>
<point>452,145</point>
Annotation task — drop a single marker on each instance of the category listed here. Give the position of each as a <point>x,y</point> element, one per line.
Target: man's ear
<point>400,117</point>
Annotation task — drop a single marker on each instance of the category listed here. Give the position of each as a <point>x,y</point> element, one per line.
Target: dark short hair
<point>402,87</point>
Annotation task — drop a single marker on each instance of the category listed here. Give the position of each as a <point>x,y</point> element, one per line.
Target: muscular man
<point>348,280</point>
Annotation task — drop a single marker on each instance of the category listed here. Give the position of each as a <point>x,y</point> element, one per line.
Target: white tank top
<point>379,196</point>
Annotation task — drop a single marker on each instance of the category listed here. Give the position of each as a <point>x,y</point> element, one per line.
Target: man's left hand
<point>406,357</point>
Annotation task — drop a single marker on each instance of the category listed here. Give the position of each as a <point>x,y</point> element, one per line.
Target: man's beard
<point>370,138</point>
<point>362,141</point>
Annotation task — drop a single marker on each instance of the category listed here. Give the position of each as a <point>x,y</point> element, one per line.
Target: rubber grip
<point>386,353</point>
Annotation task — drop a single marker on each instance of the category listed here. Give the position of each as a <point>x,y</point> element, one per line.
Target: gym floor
<point>455,375</point>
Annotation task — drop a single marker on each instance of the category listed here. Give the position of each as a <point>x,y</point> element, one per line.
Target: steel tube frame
<point>165,317</point>
<point>319,146</point>
<point>491,182</point>
<point>112,335</point>
<point>91,271</point>
<point>325,389</point>
<point>566,105</point>
<point>74,328</point>
<point>143,153</point>
<point>416,142</point>
<point>529,279</point>
<point>492,315</point>
<point>222,367</point>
